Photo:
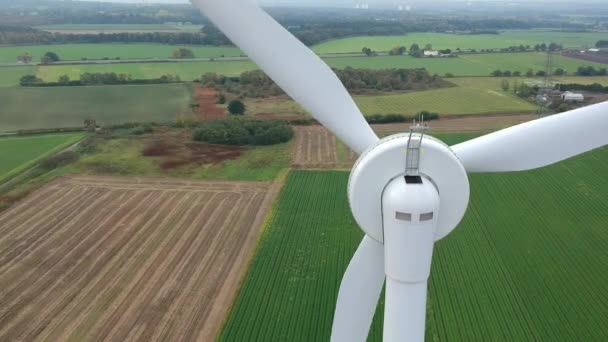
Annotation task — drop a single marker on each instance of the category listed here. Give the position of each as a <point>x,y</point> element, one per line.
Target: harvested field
<point>314,147</point>
<point>462,125</point>
<point>317,148</point>
<point>208,109</point>
<point>126,259</point>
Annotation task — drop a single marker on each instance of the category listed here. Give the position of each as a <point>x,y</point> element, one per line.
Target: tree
<point>29,80</point>
<point>25,58</point>
<point>415,50</point>
<point>428,47</point>
<point>368,52</point>
<point>504,84</point>
<point>236,107</point>
<point>221,99</point>
<point>51,57</point>
<point>516,73</point>
<point>530,73</point>
<point>541,73</point>
<point>497,73</point>
<point>65,79</point>
<point>183,53</point>
<point>601,44</point>
<point>397,51</point>
<point>554,47</point>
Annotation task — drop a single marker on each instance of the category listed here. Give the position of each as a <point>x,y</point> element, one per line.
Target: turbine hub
<point>384,161</point>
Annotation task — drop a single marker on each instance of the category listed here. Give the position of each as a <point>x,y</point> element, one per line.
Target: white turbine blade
<point>537,143</point>
<point>404,311</point>
<point>359,293</point>
<point>294,67</point>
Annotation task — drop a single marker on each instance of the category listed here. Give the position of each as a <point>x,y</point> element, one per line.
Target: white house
<point>431,53</point>
<point>572,97</point>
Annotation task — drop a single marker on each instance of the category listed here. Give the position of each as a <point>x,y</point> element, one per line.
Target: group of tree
<point>552,47</point>
<point>595,87</point>
<point>239,131</point>
<point>257,84</point>
<point>368,52</point>
<point>528,73</point>
<point>506,73</point>
<point>601,44</point>
<point>398,51</point>
<point>591,71</point>
<point>47,58</point>
<point>183,53</point>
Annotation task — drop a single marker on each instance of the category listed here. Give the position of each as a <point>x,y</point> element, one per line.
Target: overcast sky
<point>371,2</point>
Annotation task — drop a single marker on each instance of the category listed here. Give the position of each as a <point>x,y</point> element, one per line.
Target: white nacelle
<point>410,214</point>
<point>385,161</point>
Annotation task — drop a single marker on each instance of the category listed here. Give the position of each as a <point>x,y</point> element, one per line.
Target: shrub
<point>236,107</point>
<point>140,130</point>
<point>385,118</point>
<point>244,132</point>
<point>59,160</point>
<point>427,116</point>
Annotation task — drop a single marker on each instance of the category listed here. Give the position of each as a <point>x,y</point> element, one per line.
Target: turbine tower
<point>404,206</point>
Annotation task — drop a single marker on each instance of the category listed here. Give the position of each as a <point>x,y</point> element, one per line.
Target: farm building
<point>431,53</point>
<point>572,97</point>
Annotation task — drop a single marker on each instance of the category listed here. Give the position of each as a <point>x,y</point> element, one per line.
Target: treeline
<point>19,35</point>
<point>595,87</point>
<point>244,132</point>
<point>602,44</point>
<point>88,79</point>
<point>358,81</point>
<point>591,71</point>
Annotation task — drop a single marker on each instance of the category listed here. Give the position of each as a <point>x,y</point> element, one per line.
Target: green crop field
<point>473,95</point>
<point>467,65</point>
<point>527,263</point>
<point>119,27</point>
<point>76,52</point>
<point>452,41</point>
<point>188,71</point>
<point>9,76</point>
<point>19,153</point>
<point>458,100</point>
<point>31,108</point>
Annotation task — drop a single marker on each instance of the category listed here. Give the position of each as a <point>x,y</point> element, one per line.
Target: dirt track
<point>316,148</point>
<point>126,259</point>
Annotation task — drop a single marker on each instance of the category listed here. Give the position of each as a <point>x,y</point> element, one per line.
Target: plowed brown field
<point>126,259</point>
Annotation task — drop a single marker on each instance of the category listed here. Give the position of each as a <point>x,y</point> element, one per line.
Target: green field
<point>452,41</point>
<point>9,76</point>
<point>467,65</point>
<point>188,71</point>
<point>527,262</point>
<point>448,101</point>
<point>473,95</point>
<point>76,52</point>
<point>19,153</point>
<point>120,27</point>
<point>31,108</point>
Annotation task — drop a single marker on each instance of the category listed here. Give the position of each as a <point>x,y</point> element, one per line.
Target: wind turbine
<point>406,191</point>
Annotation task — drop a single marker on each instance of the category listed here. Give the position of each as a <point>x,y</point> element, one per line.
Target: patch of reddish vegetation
<point>207,101</point>
<point>174,152</point>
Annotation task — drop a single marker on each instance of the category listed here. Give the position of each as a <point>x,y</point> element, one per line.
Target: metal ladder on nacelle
<point>414,144</point>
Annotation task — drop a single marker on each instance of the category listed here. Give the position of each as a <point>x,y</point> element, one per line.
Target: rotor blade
<point>294,67</point>
<point>404,311</point>
<point>359,293</point>
<point>537,143</point>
